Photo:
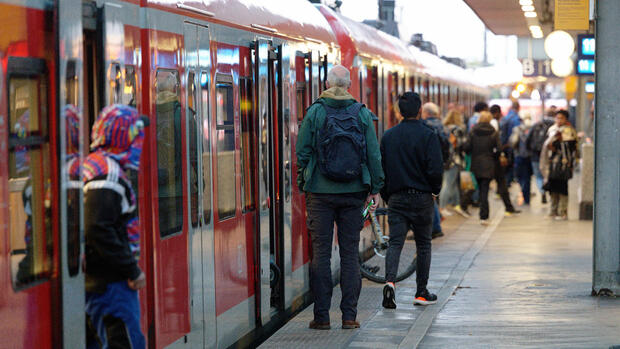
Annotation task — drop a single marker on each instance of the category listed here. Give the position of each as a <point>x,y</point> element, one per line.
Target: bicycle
<point>372,255</point>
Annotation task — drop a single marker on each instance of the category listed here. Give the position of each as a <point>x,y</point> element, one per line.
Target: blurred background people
<point>535,140</point>
<point>557,163</point>
<point>432,118</point>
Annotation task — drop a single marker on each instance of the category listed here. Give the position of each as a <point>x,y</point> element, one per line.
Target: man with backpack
<point>339,169</point>
<point>535,140</point>
<point>411,156</point>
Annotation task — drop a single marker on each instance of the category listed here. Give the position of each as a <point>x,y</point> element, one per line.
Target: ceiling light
<point>537,35</point>
<point>525,2</point>
<point>559,44</point>
<point>535,28</point>
<point>530,14</point>
<point>527,8</point>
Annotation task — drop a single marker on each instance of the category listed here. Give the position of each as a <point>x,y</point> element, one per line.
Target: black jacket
<point>411,158</point>
<point>484,145</point>
<point>107,210</point>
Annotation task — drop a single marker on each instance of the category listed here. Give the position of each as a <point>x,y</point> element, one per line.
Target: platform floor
<point>520,282</point>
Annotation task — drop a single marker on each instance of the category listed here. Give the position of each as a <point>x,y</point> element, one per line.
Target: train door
<point>268,61</point>
<point>112,72</point>
<point>201,252</point>
<point>72,142</point>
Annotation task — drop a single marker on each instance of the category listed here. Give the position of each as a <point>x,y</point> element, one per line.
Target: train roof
<point>291,18</point>
<point>366,41</point>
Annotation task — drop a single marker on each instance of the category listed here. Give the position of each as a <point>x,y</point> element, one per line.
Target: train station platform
<point>522,281</point>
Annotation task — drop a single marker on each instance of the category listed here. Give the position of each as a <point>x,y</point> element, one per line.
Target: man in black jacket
<point>411,157</point>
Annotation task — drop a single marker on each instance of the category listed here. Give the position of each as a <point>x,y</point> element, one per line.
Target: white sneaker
<point>460,211</point>
<point>484,222</point>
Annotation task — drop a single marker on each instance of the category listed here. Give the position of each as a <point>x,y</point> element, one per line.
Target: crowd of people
<point>510,150</point>
<point>421,167</point>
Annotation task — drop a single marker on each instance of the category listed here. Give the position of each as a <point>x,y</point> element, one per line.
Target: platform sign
<point>586,49</point>
<point>537,67</point>
<point>572,15</point>
<point>585,66</point>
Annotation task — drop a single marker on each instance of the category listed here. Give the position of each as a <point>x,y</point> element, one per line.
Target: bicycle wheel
<point>373,252</point>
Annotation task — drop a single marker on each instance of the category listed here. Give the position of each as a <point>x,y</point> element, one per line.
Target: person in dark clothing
<point>329,201</point>
<point>411,158</point>
<point>506,126</point>
<point>111,228</point>
<point>535,140</point>
<point>484,146</point>
<point>560,152</point>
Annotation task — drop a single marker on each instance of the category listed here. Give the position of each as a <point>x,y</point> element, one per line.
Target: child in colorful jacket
<point>112,230</point>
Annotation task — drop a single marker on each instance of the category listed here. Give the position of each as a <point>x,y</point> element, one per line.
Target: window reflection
<point>169,154</point>
<point>30,191</point>
<point>226,183</point>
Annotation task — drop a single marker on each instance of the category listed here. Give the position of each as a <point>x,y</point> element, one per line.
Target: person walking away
<point>478,108</point>
<point>339,170</point>
<point>485,147</point>
<point>411,158</point>
<point>523,161</point>
<point>496,111</point>
<point>451,188</point>
<point>112,276</point>
<point>535,140</point>
<point>559,153</point>
<point>430,115</point>
<point>506,125</point>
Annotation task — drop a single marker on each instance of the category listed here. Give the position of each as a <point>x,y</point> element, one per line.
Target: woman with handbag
<point>560,150</point>
<point>484,145</point>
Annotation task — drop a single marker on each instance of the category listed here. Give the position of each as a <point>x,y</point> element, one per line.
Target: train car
<point>225,85</point>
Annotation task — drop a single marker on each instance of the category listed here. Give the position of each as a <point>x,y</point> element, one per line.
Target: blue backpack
<point>341,143</point>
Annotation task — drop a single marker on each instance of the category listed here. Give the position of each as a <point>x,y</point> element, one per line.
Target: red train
<point>225,84</point>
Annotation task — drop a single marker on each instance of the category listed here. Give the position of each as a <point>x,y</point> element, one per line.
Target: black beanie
<point>409,104</point>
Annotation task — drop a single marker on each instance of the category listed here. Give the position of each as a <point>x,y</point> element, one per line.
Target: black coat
<point>411,158</point>
<point>484,145</point>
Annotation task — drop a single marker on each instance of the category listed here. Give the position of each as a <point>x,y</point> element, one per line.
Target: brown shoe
<point>319,325</point>
<point>350,324</point>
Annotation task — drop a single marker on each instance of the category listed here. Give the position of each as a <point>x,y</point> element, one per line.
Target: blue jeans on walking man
<point>523,167</point>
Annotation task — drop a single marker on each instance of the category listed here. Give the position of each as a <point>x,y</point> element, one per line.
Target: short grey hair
<point>431,109</point>
<point>339,76</point>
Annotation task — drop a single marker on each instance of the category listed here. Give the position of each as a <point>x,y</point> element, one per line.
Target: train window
<point>30,183</point>
<point>114,77</point>
<point>301,101</point>
<point>206,148</point>
<point>226,181</point>
<point>193,147</point>
<point>129,91</point>
<point>247,143</point>
<point>169,152</point>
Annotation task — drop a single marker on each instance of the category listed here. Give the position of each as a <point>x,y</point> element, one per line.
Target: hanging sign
<point>572,15</point>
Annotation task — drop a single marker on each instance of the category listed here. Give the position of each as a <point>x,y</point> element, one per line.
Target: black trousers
<point>410,211</point>
<point>483,186</point>
<point>346,211</point>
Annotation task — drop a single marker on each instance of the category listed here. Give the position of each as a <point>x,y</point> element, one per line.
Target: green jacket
<point>309,177</point>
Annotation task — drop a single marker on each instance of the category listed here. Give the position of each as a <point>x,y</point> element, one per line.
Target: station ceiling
<point>505,17</point>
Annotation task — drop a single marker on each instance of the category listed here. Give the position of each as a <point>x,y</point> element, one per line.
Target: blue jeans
<point>538,175</point>
<point>523,167</point>
<point>115,317</point>
<point>410,211</point>
<point>436,218</point>
<point>346,211</point>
